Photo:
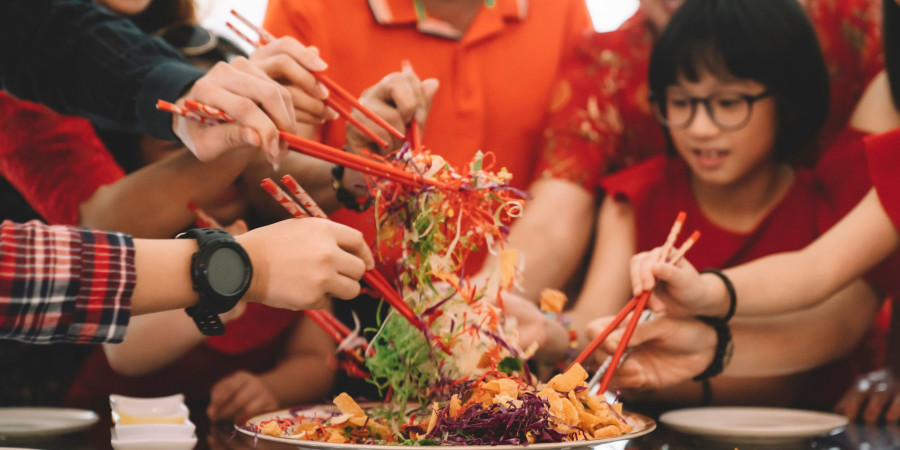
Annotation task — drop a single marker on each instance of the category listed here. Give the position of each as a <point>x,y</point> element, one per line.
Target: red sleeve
<point>576,128</point>
<point>258,325</point>
<point>56,162</point>
<point>883,152</point>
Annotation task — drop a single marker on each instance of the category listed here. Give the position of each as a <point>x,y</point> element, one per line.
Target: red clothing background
<point>56,162</point>
<point>600,117</point>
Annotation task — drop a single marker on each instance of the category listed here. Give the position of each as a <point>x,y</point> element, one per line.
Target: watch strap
<point>207,320</point>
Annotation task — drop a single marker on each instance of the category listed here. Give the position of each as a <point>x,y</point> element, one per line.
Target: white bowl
<point>134,411</point>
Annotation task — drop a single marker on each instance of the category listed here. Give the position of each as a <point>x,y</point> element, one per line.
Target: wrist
<point>723,350</point>
<point>256,292</point>
<point>716,297</point>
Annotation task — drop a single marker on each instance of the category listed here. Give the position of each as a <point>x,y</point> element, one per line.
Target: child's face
<point>723,155</point>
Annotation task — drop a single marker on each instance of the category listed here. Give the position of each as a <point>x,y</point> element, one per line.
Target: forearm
<point>153,341</point>
<point>152,202</point>
<point>552,238</point>
<point>803,340</point>
<point>163,269</point>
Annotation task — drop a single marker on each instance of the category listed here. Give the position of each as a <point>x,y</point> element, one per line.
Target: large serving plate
<point>642,425</point>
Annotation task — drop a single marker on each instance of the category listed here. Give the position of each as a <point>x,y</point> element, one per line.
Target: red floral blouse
<point>599,115</point>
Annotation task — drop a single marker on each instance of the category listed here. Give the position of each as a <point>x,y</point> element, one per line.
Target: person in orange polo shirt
<point>496,61</point>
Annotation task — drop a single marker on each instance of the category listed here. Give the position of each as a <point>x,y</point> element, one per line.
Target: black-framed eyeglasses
<point>728,110</point>
<point>189,39</point>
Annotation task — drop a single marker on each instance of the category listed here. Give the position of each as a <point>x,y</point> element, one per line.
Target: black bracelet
<point>724,348</point>
<point>345,197</point>
<point>732,295</point>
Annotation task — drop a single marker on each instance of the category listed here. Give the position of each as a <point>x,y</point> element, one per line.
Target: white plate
<point>749,424</point>
<point>642,425</point>
<point>43,422</point>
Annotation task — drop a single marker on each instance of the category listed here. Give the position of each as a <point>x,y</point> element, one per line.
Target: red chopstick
<point>204,220</point>
<point>209,115</point>
<point>636,307</point>
<point>372,277</point>
<point>266,37</point>
<point>412,130</point>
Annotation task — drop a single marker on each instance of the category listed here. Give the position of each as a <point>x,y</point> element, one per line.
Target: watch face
<point>226,272</point>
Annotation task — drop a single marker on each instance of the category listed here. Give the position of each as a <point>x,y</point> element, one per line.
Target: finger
<point>257,405</point>
<point>648,281</point>
<point>411,101</point>
<point>229,410</point>
<point>387,112</point>
<point>429,88</point>
<point>208,143</point>
<point>283,67</point>
<point>343,287</point>
<point>878,400</point>
<point>308,57</point>
<point>351,241</point>
<point>636,264</point>
<point>849,406</point>
<point>892,415</point>
<point>222,393</point>
<point>350,266</point>
<point>243,64</point>
<point>315,107</point>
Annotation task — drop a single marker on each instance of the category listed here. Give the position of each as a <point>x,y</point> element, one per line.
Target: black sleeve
<point>79,58</point>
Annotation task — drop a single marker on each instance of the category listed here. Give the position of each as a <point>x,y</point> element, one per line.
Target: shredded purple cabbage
<point>499,425</point>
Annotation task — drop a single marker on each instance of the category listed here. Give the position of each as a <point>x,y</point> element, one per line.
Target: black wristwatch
<point>221,273</point>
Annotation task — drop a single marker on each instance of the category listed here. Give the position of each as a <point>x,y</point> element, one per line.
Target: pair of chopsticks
<point>305,206</point>
<point>209,115</point>
<point>636,305</point>
<point>342,95</point>
<point>330,324</point>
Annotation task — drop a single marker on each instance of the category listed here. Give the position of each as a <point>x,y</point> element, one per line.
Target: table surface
<point>856,436</point>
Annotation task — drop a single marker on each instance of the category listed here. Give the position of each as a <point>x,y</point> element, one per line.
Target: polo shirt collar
<point>490,19</point>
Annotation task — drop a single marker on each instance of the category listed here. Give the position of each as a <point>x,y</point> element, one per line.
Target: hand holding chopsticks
<point>305,206</point>
<point>212,116</point>
<point>339,99</point>
<point>635,307</point>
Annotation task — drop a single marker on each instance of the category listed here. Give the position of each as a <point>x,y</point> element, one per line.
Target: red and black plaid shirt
<point>64,284</point>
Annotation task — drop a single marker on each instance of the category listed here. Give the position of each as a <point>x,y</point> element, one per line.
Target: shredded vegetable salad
<point>496,409</point>
<point>432,231</point>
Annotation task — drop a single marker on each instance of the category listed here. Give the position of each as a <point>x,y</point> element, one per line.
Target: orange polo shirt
<point>495,78</point>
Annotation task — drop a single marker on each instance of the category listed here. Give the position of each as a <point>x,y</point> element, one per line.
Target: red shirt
<point>56,162</point>
<point>495,78</point>
<point>884,167</point>
<point>600,117</point>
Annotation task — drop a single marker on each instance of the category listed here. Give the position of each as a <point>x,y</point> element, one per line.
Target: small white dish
<point>44,422</point>
<point>135,411</point>
<point>753,424</point>
<point>152,431</point>
<point>154,444</point>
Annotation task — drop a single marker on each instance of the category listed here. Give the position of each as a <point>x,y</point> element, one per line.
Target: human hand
<point>534,326</point>
<point>289,62</point>
<point>302,263</point>
<point>677,287</point>
<point>398,98</point>
<point>259,106</point>
<point>665,351</point>
<point>238,397</point>
<point>875,395</point>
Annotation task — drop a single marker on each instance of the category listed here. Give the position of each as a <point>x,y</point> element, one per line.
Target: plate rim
<point>796,432</point>
<point>650,426</point>
<point>79,419</point>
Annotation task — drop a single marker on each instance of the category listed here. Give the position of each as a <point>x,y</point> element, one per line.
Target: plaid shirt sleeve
<point>64,284</point>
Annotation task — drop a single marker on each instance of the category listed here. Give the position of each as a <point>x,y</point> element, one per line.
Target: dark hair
<point>768,41</point>
<point>163,13</point>
<point>891,40</point>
